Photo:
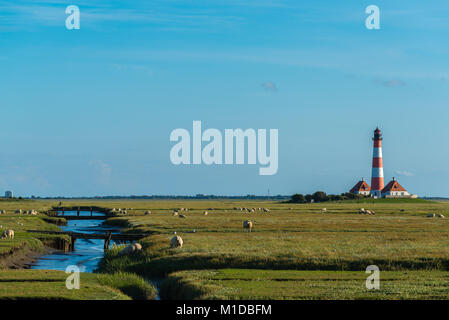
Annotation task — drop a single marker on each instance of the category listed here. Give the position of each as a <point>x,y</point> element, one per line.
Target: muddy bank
<point>21,257</point>
<point>24,255</point>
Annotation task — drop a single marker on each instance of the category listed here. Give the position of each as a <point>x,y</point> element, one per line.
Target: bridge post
<point>107,241</point>
<point>63,211</point>
<point>78,212</point>
<point>72,243</point>
<point>91,211</point>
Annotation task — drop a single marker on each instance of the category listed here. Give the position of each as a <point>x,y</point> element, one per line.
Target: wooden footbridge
<point>107,237</point>
<point>92,216</point>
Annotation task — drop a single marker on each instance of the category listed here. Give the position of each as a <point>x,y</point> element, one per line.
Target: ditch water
<point>87,253</point>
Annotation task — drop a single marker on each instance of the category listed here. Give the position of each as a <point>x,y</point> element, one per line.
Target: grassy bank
<point>249,284</point>
<point>46,284</point>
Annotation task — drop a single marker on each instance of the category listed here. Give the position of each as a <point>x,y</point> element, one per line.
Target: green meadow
<point>51,285</point>
<point>295,251</point>
<point>250,284</point>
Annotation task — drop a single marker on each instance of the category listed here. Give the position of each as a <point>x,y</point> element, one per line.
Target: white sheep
<point>131,249</point>
<point>247,224</point>
<point>206,213</point>
<point>148,212</point>
<point>440,216</point>
<point>9,233</point>
<point>176,241</point>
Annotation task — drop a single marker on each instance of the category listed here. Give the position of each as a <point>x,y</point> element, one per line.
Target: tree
<point>308,197</point>
<point>320,196</point>
<point>298,198</point>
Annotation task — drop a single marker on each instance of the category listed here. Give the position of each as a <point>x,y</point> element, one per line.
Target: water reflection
<point>87,253</point>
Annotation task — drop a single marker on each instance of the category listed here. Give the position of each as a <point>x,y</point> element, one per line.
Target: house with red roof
<point>361,188</point>
<point>394,190</point>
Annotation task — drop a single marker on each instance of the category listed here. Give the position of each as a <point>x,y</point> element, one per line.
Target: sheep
<point>206,213</point>
<point>323,210</point>
<point>18,211</point>
<point>9,233</point>
<point>248,224</point>
<point>266,210</point>
<point>176,242</point>
<point>131,249</point>
<point>182,216</point>
<point>148,212</point>
<point>175,213</point>
<point>431,215</point>
<point>440,216</point>
<point>2,212</point>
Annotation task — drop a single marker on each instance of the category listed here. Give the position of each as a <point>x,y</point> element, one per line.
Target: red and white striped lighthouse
<point>377,177</point>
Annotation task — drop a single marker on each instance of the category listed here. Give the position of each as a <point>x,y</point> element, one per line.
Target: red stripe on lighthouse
<point>377,163</point>
<point>377,184</point>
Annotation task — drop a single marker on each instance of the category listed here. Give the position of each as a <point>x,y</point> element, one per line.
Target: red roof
<point>393,185</point>
<point>360,186</point>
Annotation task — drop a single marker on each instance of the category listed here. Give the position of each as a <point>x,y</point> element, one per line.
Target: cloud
<point>103,170</point>
<point>31,15</point>
<point>405,173</point>
<point>391,83</point>
<point>269,86</point>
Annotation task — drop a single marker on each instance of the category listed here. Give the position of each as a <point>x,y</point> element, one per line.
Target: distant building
<point>361,188</point>
<point>9,194</point>
<point>377,190</point>
<point>394,190</point>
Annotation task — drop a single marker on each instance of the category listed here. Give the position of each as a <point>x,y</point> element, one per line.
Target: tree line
<point>321,196</point>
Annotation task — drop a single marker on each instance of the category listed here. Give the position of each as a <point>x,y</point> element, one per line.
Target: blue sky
<point>89,112</point>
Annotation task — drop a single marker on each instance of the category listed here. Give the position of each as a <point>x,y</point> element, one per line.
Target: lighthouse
<point>377,176</point>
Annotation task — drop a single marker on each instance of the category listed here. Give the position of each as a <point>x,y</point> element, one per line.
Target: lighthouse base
<point>376,193</point>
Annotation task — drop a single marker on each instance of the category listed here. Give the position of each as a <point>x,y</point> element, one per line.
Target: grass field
<point>399,238</point>
<point>45,284</point>
<point>293,285</point>
<point>308,248</point>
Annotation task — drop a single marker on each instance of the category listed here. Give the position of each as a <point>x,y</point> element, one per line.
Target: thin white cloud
<point>391,83</point>
<point>405,173</point>
<point>44,14</point>
<point>103,170</point>
<point>269,86</point>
